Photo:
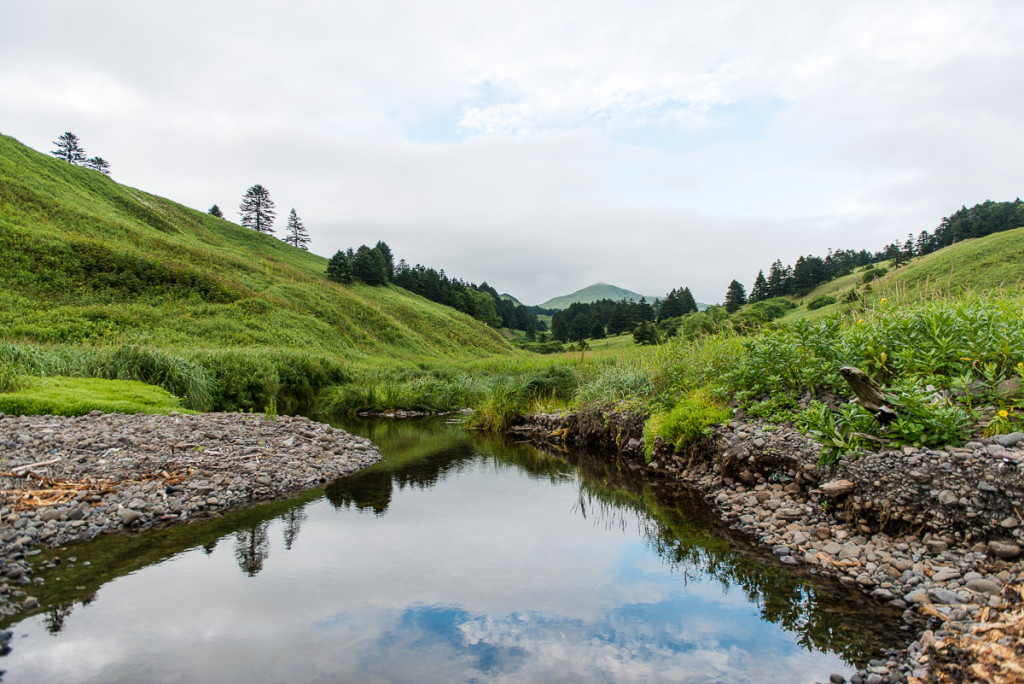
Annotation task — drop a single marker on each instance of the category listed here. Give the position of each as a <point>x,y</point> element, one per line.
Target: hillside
<point>89,263</point>
<point>594,293</point>
<point>980,264</point>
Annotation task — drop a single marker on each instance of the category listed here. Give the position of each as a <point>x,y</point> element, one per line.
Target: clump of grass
<point>78,396</point>
<point>512,395</point>
<point>685,423</point>
<point>10,380</point>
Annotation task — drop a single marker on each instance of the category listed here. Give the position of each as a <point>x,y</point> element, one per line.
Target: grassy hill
<point>92,264</point>
<point>594,293</point>
<point>986,264</point>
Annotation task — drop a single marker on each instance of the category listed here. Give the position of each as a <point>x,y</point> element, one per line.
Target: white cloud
<point>541,146</point>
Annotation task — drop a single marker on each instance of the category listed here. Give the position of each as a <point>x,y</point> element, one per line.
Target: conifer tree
<point>297,235</point>
<point>760,290</point>
<point>735,297</point>
<point>257,209</point>
<point>688,302</point>
<point>68,149</point>
<point>339,268</point>
<point>98,164</point>
<point>215,211</point>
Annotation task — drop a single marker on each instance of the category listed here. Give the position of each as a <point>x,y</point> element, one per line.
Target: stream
<point>459,558</point>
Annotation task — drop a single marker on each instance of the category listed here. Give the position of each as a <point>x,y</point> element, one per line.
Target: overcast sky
<point>542,145</point>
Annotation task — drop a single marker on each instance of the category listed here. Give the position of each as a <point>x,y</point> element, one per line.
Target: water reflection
<point>454,560</point>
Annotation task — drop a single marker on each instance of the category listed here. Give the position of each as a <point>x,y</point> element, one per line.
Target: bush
<point>820,301</point>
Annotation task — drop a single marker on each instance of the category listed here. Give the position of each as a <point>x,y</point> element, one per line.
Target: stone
<point>129,516</point>
<point>945,574</point>
<point>948,498</point>
<point>790,513</point>
<point>936,546</point>
<point>837,488</point>
<point>833,548</point>
<point>1010,440</point>
<point>1008,388</point>
<point>1004,550</point>
<point>944,596</point>
<point>983,586</point>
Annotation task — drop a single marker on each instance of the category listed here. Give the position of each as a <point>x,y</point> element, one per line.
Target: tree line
<point>375,266</point>
<point>810,271</point>
<point>595,320</point>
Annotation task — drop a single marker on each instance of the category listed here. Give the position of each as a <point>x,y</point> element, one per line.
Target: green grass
<point>78,396</point>
<point>220,315</point>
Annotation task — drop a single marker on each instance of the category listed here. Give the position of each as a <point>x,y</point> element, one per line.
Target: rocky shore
<point>937,533</point>
<point>70,479</point>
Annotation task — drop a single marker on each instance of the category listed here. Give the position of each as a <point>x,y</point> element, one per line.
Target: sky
<point>542,146</point>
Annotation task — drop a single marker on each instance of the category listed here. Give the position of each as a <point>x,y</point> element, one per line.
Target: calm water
<point>459,559</point>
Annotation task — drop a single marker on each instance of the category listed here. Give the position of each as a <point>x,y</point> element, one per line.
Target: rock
<point>1004,550</point>
<point>944,596</point>
<point>1008,388</point>
<point>790,513</point>
<point>945,574</point>
<point>837,488</point>
<point>129,516</point>
<point>836,679</point>
<point>983,586</point>
<point>30,603</point>
<point>1010,440</point>
<point>833,548</point>
<point>936,546</point>
<point>948,498</point>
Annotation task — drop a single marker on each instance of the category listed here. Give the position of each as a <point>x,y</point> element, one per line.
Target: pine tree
<point>297,235</point>
<point>389,262</point>
<point>760,290</point>
<point>688,302</point>
<point>98,164</point>
<point>68,149</point>
<point>257,209</point>
<point>735,297</point>
<point>339,268</point>
<point>215,211</point>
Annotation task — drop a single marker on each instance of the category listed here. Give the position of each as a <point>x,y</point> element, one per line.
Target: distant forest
<point>375,266</point>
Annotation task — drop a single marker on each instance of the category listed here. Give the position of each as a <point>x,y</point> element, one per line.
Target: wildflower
<point>884,300</point>
<point>1020,366</point>
<point>1004,413</point>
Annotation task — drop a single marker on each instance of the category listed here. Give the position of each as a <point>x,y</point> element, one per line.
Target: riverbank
<point>937,533</point>
<point>66,480</point>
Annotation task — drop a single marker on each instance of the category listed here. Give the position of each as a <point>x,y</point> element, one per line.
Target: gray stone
<point>129,517</point>
<point>1010,440</point>
<point>935,546</point>
<point>1004,550</point>
<point>833,548</point>
<point>983,586</point>
<point>947,498</point>
<point>944,596</point>
<point>945,574</point>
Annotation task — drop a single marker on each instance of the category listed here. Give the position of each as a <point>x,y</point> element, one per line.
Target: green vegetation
<point>686,422</point>
<point>78,396</point>
<point>102,280</point>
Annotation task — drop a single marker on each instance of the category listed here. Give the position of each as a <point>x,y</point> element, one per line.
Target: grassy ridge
<point>91,267</point>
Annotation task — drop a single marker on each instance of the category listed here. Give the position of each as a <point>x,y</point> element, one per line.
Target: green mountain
<point>510,298</point>
<point>594,293</point>
<point>90,263</point>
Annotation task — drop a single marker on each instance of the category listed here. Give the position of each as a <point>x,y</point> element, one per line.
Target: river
<point>459,558</point>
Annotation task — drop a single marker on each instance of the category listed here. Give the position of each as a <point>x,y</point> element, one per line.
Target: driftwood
<point>869,394</point>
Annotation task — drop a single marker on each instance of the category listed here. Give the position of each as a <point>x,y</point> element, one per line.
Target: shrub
<point>820,301</point>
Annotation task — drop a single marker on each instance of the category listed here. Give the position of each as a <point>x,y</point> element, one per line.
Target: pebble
<point>161,469</point>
